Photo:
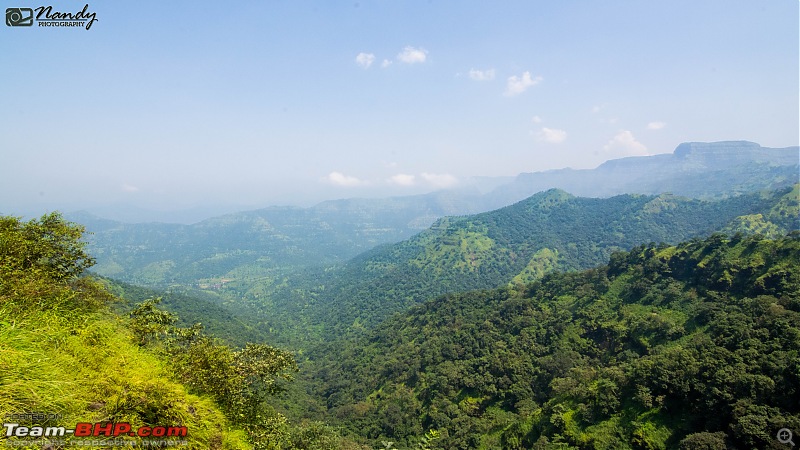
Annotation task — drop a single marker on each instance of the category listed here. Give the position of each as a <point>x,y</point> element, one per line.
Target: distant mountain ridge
<point>694,169</point>
<point>260,241</point>
<point>741,166</point>
<point>736,152</point>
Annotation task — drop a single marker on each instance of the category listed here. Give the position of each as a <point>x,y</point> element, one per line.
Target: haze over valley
<point>437,225</point>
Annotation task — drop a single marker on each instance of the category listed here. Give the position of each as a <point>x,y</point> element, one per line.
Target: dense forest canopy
<point>692,346</point>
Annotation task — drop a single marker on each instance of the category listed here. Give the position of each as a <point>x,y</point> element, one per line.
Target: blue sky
<point>182,104</point>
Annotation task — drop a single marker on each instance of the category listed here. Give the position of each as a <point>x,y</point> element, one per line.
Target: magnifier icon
<point>785,436</point>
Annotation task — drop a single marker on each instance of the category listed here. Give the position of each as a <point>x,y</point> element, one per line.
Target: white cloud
<point>517,85</point>
<point>551,135</point>
<point>402,179</point>
<point>481,75</point>
<point>129,188</point>
<point>365,59</point>
<point>440,180</point>
<point>340,179</point>
<point>536,119</point>
<point>386,63</point>
<point>411,55</point>
<point>625,143</point>
<point>656,125</point>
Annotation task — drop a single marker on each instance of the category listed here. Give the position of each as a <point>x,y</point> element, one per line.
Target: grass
<point>83,367</point>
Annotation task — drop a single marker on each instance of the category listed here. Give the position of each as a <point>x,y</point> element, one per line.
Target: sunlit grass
<point>84,368</point>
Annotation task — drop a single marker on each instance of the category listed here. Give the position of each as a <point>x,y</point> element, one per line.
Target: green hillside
<point>624,356</point>
<point>66,358</point>
<point>551,231</point>
<point>250,246</point>
<point>689,346</point>
<point>190,308</point>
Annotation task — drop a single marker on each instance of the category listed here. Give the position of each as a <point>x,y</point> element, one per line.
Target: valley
<point>437,321</point>
<point>380,225</point>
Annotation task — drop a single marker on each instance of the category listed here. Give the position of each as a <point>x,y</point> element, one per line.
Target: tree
<point>50,245</point>
<point>149,323</point>
<point>40,266</point>
<point>704,441</point>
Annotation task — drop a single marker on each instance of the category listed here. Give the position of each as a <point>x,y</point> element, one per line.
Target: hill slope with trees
<point>689,346</point>
<point>66,358</point>
<point>261,243</point>
<point>551,231</point>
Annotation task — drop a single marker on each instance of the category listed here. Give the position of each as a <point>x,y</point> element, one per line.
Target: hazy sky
<point>179,104</point>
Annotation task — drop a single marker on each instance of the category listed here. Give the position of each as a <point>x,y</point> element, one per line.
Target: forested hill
<point>694,346</point>
<point>262,242</point>
<point>265,243</point>
<point>547,232</point>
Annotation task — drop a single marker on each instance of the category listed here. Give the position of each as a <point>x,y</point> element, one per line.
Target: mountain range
<point>548,232</point>
<point>694,169</point>
<point>322,269</point>
<point>337,230</point>
<point>521,317</point>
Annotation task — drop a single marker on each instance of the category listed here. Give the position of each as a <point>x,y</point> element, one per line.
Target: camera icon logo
<point>19,17</point>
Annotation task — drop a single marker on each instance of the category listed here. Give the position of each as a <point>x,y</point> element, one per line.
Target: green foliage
<point>543,262</point>
<point>630,355</point>
<point>241,381</point>
<point>49,246</point>
<point>704,441</point>
<point>261,269</point>
<point>149,323</point>
<point>428,441</point>
<point>551,231</point>
<point>190,309</point>
<point>63,352</point>
<point>251,246</point>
